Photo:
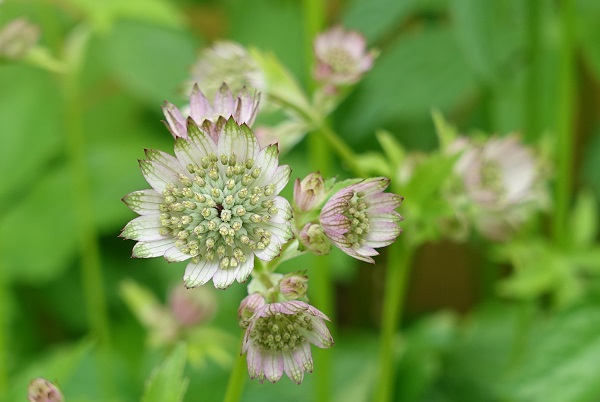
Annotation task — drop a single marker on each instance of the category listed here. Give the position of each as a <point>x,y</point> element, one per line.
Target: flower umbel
<point>341,55</point>
<point>242,108</point>
<point>215,203</point>
<point>361,217</point>
<point>278,339</point>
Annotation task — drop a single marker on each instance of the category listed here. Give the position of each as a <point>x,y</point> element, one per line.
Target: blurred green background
<point>490,65</point>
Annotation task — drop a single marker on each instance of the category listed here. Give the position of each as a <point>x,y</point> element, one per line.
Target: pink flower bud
<point>309,192</point>
<point>314,239</point>
<point>294,286</point>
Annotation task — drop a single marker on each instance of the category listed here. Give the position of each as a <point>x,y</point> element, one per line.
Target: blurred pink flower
<point>191,307</point>
<point>42,390</point>
<point>242,108</point>
<point>278,339</point>
<point>361,217</point>
<point>341,56</point>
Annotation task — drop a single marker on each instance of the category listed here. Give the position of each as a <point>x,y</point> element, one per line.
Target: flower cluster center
<point>280,331</point>
<point>339,60</point>
<point>216,210</point>
<point>359,220</point>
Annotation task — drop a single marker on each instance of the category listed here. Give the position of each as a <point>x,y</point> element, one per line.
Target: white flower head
<point>215,202</point>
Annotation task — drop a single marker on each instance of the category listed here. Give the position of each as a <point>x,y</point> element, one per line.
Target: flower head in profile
<point>226,62</point>
<point>215,203</point>
<point>242,108</point>
<point>42,390</point>
<point>278,339</point>
<point>501,178</point>
<point>342,57</point>
<point>361,217</point>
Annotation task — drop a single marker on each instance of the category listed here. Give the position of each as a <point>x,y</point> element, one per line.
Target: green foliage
<point>167,384</point>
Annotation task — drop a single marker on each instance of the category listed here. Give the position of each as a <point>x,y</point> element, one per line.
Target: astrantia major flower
<point>341,56</point>
<point>215,203</point>
<point>243,108</point>
<point>361,217</point>
<point>226,62</point>
<point>278,339</point>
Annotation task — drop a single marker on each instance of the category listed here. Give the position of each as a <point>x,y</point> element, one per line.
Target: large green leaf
<point>30,123</point>
<point>421,72</point>
<point>38,235</point>
<point>150,61</point>
<point>562,363</point>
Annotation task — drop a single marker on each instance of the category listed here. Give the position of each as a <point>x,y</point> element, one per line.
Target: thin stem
<point>237,379</point>
<point>398,267</point>
<point>320,160</point>
<point>3,336</point>
<point>90,255</point>
<point>564,128</point>
<point>532,86</point>
<point>342,149</point>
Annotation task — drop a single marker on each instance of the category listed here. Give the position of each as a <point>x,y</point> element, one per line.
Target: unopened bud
<point>42,390</point>
<point>17,38</point>
<point>192,306</point>
<point>309,192</point>
<point>314,239</point>
<point>294,286</point>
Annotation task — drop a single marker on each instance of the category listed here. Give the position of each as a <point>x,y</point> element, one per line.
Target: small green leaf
<point>167,384</point>
<point>584,220</point>
<point>446,133</point>
<point>394,151</point>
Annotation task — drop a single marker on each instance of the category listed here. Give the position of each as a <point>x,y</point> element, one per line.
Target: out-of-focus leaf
<point>421,363</point>
<point>259,23</point>
<point>375,18</point>
<point>149,60</point>
<point>562,362</point>
<point>167,384</point>
<point>58,366</point>
<point>394,151</point>
<point>476,362</point>
<point>38,236</point>
<point>489,32</point>
<point>420,72</point>
<point>280,84</point>
<point>30,123</point>
<point>584,220</point>
<point>103,14</point>
<point>588,31</point>
<point>446,133</point>
<point>590,170</point>
<point>374,163</point>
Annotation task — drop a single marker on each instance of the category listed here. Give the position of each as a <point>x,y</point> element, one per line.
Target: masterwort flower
<point>361,217</point>
<point>226,62</point>
<point>341,56</point>
<point>215,203</point>
<point>278,339</point>
<point>242,108</point>
<point>501,178</point>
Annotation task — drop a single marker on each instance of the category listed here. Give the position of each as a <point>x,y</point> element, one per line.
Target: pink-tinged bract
<point>361,217</point>
<point>278,339</point>
<point>215,202</point>
<point>242,107</point>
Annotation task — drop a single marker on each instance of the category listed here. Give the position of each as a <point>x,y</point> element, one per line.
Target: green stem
<point>532,86</point>
<point>3,336</point>
<point>320,160</point>
<point>237,379</point>
<point>93,284</point>
<point>564,128</point>
<point>342,149</point>
<point>398,267</point>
